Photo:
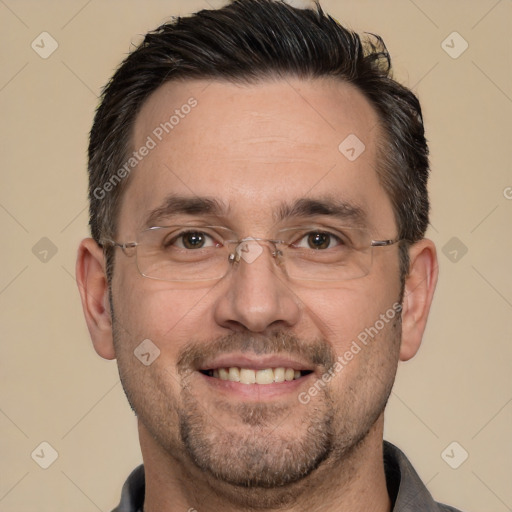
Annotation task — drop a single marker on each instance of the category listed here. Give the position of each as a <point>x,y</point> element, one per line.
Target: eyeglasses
<point>206,253</point>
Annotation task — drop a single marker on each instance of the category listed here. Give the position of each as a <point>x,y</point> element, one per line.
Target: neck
<point>356,482</point>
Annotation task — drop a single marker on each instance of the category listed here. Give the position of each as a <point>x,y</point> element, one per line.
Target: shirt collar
<point>406,490</point>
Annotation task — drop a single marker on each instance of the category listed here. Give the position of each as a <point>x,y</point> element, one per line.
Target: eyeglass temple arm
<point>113,243</point>
<point>384,243</point>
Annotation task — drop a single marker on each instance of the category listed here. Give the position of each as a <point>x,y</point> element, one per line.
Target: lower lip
<point>256,392</point>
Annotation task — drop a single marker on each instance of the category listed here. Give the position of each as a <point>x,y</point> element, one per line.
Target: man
<point>258,264</point>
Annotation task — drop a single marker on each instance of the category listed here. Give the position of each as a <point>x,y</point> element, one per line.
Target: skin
<point>253,147</point>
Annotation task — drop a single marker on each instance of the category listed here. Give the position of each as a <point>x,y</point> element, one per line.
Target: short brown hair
<point>247,41</point>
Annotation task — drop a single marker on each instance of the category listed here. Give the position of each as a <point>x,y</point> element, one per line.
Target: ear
<point>93,286</point>
<point>420,285</point>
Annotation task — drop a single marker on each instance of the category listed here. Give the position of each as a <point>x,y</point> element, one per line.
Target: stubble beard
<point>257,449</point>
<point>258,452</point>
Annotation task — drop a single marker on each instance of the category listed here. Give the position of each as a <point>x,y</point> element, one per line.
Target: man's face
<point>257,151</point>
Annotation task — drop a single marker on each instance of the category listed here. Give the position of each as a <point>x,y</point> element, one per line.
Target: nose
<point>256,294</point>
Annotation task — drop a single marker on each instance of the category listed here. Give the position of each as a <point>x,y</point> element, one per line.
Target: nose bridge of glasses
<point>249,249</point>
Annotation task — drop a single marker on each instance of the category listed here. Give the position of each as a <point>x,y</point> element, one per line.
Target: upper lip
<point>255,362</point>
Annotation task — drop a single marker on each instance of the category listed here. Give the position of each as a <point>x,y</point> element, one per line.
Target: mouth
<point>253,369</point>
<point>263,376</point>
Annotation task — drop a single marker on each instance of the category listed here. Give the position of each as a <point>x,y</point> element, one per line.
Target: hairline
<point>382,138</point>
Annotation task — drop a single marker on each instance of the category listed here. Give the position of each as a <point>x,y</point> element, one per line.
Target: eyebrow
<point>305,207</point>
<point>183,205</point>
<point>327,206</point>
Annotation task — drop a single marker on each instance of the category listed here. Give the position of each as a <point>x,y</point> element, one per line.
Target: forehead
<point>256,147</point>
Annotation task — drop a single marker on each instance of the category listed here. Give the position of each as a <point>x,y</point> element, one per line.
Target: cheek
<point>148,309</point>
<point>342,315</point>
<point>367,359</point>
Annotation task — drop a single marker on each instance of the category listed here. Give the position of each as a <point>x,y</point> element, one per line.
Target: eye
<point>318,240</point>
<point>191,240</point>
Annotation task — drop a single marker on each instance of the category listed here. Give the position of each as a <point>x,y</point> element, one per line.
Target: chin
<point>258,446</point>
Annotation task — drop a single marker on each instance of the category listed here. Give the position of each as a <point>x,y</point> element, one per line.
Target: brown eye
<point>188,240</point>
<point>193,240</point>
<point>319,240</point>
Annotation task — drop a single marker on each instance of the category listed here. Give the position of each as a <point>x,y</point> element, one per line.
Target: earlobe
<point>420,285</point>
<point>93,287</point>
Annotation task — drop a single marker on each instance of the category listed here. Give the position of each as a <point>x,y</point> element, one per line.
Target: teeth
<point>248,376</point>
<point>265,376</point>
<point>234,374</point>
<point>279,375</point>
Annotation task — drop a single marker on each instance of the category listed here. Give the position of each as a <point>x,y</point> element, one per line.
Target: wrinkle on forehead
<point>269,110</point>
<point>254,146</point>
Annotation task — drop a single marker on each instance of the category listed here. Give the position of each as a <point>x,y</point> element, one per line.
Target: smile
<point>251,376</point>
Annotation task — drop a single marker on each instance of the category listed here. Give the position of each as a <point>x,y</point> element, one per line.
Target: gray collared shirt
<point>406,490</point>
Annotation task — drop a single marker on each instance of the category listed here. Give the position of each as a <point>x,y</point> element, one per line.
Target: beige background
<point>54,386</point>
